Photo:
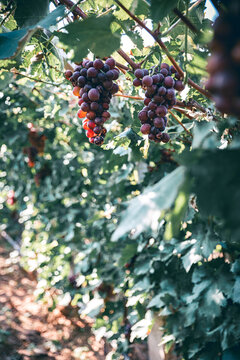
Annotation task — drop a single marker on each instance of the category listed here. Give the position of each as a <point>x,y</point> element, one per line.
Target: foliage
<point>132,229</point>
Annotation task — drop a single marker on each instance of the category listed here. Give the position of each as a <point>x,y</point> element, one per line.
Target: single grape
<point>145,129</point>
<point>137,82</point>
<point>139,73</point>
<point>93,95</point>
<point>98,64</point>
<point>147,80</point>
<point>111,63</point>
<point>169,82</point>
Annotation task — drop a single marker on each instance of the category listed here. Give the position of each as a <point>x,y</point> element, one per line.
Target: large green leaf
<point>11,43</point>
<point>30,12</point>
<point>93,33</point>
<point>162,8</point>
<point>144,211</point>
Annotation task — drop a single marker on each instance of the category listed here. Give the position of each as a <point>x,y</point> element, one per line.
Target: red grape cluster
<point>93,84</point>
<point>224,63</point>
<point>159,97</point>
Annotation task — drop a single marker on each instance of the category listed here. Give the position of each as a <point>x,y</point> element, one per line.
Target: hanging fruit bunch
<point>93,83</point>
<point>160,95</point>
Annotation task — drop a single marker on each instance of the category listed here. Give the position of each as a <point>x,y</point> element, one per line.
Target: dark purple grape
<point>108,84</point>
<point>93,95</point>
<point>159,123</point>
<point>98,64</point>
<point>147,80</point>
<point>111,63</point>
<point>146,101</point>
<point>110,75</point>
<point>164,72</point>
<point>114,89</point>
<point>145,72</point>
<point>102,77</point>
<point>94,106</point>
<point>75,75</point>
<point>115,74</point>
<point>83,72</point>
<point>165,66</point>
<point>151,137</point>
<point>85,107</point>
<point>145,129</point>
<point>151,114</point>
<point>106,68</point>
<point>143,115</point>
<point>179,86</point>
<point>161,110</point>
<point>139,73</point>
<point>81,81</point>
<point>85,97</point>
<point>169,82</point>
<point>137,82</point>
<point>91,115</point>
<point>155,79</point>
<point>92,72</point>
<point>172,69</point>
<point>99,121</point>
<point>162,90</point>
<point>152,106</point>
<point>165,138</point>
<point>170,94</point>
<point>154,130</point>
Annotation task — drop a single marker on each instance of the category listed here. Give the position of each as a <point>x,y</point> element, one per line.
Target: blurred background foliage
<point>131,230</point>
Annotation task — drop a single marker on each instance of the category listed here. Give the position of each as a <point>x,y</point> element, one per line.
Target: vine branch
<point>164,48</point>
<point>15,72</point>
<point>180,123</point>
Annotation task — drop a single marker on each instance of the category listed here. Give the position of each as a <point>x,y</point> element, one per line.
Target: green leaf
<point>156,302</point>
<point>162,8</point>
<point>30,12</point>
<point>11,43</point>
<point>144,211</point>
<point>127,253</point>
<point>93,33</point>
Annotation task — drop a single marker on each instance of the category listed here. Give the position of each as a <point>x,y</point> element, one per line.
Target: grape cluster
<point>160,96</point>
<point>224,63</point>
<point>94,84</point>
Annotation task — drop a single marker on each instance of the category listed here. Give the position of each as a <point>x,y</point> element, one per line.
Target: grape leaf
<point>161,8</point>
<point>94,33</point>
<point>145,210</point>
<point>11,43</point>
<point>30,12</point>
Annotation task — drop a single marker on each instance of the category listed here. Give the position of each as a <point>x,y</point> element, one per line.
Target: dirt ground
<point>29,331</point>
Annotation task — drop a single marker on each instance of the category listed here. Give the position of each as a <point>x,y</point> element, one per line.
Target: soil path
<point>28,331</point>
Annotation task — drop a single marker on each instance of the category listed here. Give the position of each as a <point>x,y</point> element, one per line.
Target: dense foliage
<point>133,229</point>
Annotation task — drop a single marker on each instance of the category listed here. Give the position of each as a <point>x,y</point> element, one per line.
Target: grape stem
<point>183,112</point>
<point>164,48</point>
<point>180,123</point>
<point>15,72</point>
<point>128,59</point>
<point>129,96</point>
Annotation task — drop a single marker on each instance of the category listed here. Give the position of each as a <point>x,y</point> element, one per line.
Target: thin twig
<point>129,96</point>
<point>10,240</point>
<point>183,112</point>
<point>15,72</point>
<point>180,123</point>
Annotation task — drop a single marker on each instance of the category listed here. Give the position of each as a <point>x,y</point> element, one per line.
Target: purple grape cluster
<point>94,84</point>
<point>224,63</point>
<point>160,96</point>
